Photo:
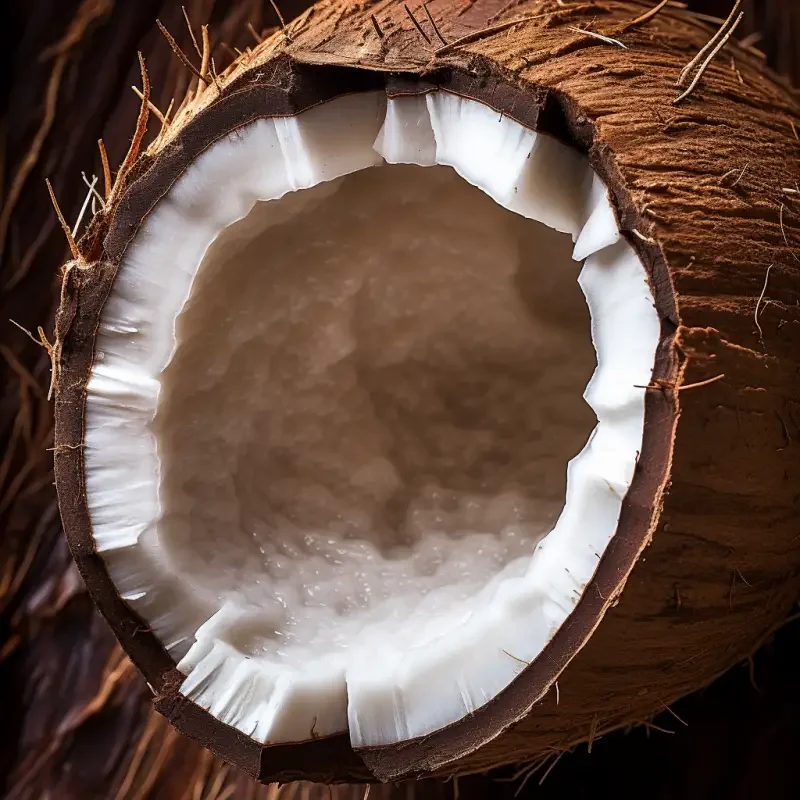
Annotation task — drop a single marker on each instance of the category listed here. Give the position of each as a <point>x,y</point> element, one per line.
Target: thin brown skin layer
<point>723,562</point>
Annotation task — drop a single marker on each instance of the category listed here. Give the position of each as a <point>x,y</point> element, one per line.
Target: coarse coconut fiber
<point>428,391</point>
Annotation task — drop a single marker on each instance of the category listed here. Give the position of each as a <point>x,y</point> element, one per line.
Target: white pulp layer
<point>327,437</point>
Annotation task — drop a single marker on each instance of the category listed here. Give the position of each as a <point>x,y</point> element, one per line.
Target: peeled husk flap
<point>707,551</point>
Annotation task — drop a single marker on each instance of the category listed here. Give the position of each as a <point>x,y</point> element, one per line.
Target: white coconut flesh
<point>355,438</point>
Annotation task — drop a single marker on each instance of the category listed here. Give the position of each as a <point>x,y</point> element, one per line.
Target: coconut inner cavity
<point>376,389</point>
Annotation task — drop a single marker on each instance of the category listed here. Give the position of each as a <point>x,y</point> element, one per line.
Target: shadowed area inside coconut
<point>336,393</point>
<point>376,427</point>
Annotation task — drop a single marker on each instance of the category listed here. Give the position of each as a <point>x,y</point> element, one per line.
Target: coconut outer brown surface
<point>709,528</point>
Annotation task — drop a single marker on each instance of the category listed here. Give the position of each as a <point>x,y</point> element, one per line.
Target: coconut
<point>426,392</point>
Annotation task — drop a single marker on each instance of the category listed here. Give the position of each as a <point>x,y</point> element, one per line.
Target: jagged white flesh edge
<point>397,695</point>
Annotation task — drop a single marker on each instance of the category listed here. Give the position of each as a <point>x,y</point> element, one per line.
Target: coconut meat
<point>355,439</point>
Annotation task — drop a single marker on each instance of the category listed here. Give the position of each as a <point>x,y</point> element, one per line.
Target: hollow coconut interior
<point>355,438</point>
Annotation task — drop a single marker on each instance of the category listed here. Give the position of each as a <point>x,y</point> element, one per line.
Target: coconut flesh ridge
<point>355,439</point>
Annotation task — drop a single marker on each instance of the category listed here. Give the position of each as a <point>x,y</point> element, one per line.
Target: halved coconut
<point>370,397</point>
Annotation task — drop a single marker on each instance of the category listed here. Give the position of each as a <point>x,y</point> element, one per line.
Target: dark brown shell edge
<point>691,350</point>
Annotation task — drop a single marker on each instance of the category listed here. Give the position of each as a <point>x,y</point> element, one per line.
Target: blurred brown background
<point>74,717</point>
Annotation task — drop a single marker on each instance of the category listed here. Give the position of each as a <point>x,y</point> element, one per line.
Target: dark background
<point>75,721</point>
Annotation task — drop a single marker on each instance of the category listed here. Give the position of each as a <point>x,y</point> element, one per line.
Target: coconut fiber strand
<point>77,720</point>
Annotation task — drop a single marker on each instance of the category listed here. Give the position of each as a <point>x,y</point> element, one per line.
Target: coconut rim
<point>83,298</point>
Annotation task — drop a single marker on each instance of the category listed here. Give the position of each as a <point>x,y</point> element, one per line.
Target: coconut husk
<point>75,712</point>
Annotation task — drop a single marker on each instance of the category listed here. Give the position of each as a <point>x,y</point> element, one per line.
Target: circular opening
<point>366,423</point>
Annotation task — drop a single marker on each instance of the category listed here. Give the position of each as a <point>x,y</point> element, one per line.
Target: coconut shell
<point>706,560</point>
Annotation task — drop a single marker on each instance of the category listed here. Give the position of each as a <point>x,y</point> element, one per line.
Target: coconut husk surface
<point>77,719</point>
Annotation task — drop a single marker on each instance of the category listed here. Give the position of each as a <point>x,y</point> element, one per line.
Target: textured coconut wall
<point>76,720</point>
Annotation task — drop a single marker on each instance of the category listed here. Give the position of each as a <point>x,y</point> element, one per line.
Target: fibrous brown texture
<point>54,633</point>
<point>704,191</point>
